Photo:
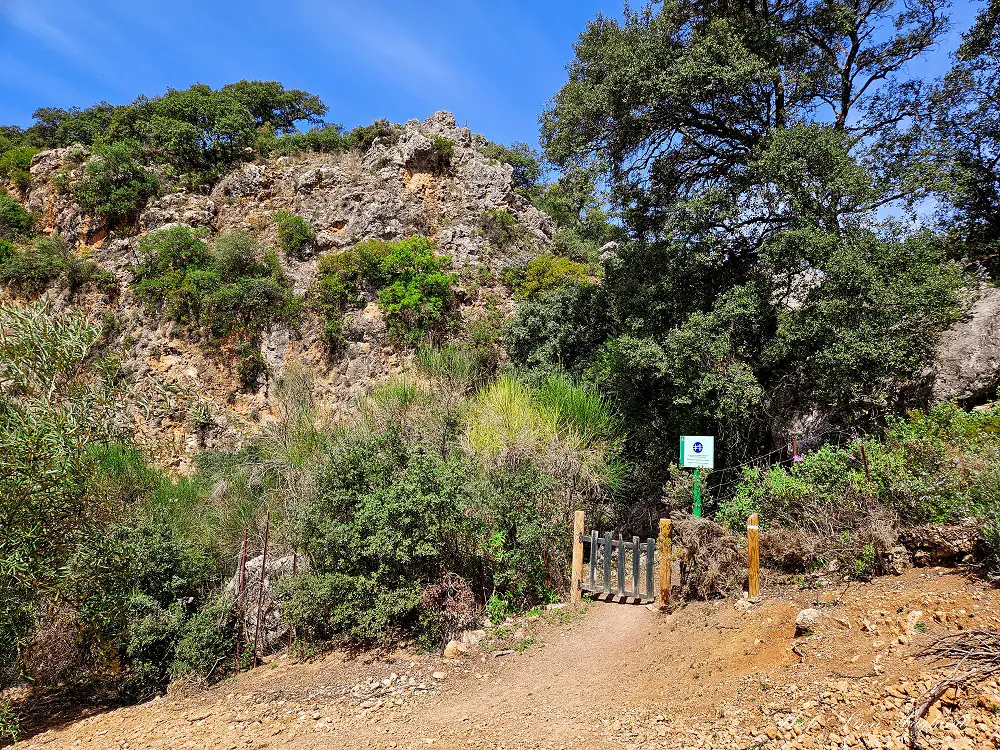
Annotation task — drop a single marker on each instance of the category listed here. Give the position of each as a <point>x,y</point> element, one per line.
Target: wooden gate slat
<point>636,586</point>
<point>650,555</point>
<point>607,562</point>
<point>621,564</point>
<point>593,559</point>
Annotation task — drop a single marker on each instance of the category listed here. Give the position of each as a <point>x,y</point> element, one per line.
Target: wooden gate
<point>619,566</point>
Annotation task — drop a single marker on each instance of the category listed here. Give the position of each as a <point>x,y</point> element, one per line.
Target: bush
<point>253,289</point>
<point>403,540</point>
<point>548,272</point>
<point>240,287</point>
<point>444,150</point>
<point>7,251</point>
<point>525,160</point>
<point>296,236</point>
<point>55,407</point>
<point>930,467</point>
<point>205,641</point>
<point>48,260</point>
<point>15,221</point>
<point>499,228</point>
<point>114,184</point>
<point>251,367</point>
<point>418,296</point>
<point>15,165</point>
<point>237,289</point>
<point>323,607</point>
<point>414,291</point>
<point>333,139</point>
<point>177,270</point>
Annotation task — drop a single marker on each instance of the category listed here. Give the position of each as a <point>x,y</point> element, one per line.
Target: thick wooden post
<point>664,545</point>
<point>753,556</point>
<point>577,576</point>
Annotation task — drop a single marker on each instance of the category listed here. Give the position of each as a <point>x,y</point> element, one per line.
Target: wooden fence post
<point>753,556</point>
<point>664,545</point>
<point>575,592</point>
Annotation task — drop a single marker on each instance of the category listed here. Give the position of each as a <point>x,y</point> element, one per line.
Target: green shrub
<point>205,642</point>
<point>238,287</point>
<point>296,236</point>
<point>936,466</point>
<point>47,261</point>
<point>177,271</point>
<point>525,160</point>
<point>363,137</point>
<point>497,609</point>
<point>10,726</point>
<point>149,644</point>
<point>15,221</point>
<point>55,407</point>
<point>548,272</point>
<point>499,228</point>
<point>332,139</point>
<point>35,267</point>
<point>398,534</point>
<point>414,291</point>
<point>251,367</point>
<point>114,184</point>
<point>335,289</point>
<point>444,150</point>
<point>323,607</point>
<point>15,165</point>
<point>419,295</point>
<point>253,289</point>
<point>7,251</point>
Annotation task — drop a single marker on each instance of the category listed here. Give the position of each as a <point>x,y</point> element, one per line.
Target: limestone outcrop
<point>404,185</point>
<point>967,366</point>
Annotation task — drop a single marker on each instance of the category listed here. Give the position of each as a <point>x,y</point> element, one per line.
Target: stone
<point>967,362</point>
<point>273,628</point>
<point>455,650</point>
<point>473,637</point>
<point>808,619</point>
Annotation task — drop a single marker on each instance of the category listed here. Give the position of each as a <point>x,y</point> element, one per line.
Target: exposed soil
<point>608,675</point>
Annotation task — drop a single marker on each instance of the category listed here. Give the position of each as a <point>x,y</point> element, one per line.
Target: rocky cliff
<point>186,392</point>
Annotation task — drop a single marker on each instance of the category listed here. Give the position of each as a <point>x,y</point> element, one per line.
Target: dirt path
<point>611,676</point>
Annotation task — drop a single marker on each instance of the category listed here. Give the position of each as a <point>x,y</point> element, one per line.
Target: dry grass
<point>714,561</point>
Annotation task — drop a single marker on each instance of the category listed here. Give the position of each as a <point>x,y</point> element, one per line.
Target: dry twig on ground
<point>973,655</point>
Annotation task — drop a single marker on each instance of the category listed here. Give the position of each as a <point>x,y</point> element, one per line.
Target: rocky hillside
<point>187,394</point>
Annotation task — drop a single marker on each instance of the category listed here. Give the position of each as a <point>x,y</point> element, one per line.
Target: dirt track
<point>613,676</point>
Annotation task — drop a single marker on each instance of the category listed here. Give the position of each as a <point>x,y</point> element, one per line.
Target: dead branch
<point>975,651</point>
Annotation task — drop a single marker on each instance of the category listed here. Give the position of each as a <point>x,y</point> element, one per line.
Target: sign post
<point>697,452</point>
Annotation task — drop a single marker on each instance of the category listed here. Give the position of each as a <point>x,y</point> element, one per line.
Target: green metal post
<point>697,493</point>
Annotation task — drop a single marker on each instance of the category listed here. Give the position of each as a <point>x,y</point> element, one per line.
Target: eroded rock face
<point>186,393</point>
<point>967,366</point>
<point>933,544</point>
<point>393,191</point>
<point>51,174</point>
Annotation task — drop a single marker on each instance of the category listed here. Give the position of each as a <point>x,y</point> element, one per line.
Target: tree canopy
<point>765,160</point>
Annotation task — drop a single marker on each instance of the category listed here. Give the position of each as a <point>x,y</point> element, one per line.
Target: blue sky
<point>494,64</point>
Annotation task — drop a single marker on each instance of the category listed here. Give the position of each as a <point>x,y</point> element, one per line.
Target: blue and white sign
<point>697,452</point>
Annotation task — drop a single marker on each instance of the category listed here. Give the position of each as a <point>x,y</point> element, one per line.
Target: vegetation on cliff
<point>734,243</point>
